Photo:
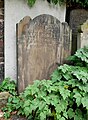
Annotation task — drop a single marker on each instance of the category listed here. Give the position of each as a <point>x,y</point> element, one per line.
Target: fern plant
<point>64,97</point>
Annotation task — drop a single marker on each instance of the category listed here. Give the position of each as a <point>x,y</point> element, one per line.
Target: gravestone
<point>40,46</point>
<point>77,18</point>
<point>67,41</point>
<point>83,37</point>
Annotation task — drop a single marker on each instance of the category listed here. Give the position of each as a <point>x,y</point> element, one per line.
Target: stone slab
<point>42,44</point>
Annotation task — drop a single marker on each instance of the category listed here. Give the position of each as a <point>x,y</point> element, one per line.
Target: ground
<point>13,117</point>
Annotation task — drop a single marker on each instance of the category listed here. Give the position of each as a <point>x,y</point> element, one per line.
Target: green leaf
<point>26,103</point>
<point>70,113</point>
<point>27,111</point>
<point>42,105</point>
<point>58,116</point>
<point>78,114</point>
<point>62,106</point>
<point>42,116</point>
<point>62,118</point>
<point>56,76</point>
<point>84,101</point>
<point>64,92</point>
<point>65,68</point>
<point>78,97</point>
<point>81,73</point>
<point>85,88</point>
<point>54,99</point>
<point>46,112</point>
<point>65,114</point>
<point>6,115</point>
<point>31,2</point>
<point>58,108</point>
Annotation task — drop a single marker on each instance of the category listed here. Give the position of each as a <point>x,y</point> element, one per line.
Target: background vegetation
<point>83,3</point>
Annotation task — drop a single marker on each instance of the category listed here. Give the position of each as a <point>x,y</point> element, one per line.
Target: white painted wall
<point>15,10</point>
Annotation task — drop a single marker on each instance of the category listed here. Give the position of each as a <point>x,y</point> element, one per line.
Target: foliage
<point>80,58</point>
<point>64,97</point>
<point>8,85</point>
<point>81,2</point>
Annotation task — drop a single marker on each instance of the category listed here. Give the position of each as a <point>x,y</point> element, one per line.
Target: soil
<point>13,117</point>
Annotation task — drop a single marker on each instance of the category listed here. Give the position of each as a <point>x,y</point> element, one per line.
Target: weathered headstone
<point>83,37</point>
<point>40,48</point>
<point>77,18</point>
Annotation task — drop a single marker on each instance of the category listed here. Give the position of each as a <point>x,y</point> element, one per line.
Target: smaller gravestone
<point>77,18</point>
<point>83,37</point>
<point>67,41</point>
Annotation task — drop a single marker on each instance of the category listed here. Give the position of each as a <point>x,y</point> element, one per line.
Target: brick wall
<point>1,40</point>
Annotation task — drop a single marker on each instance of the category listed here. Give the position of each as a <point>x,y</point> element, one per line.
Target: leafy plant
<point>80,2</point>
<point>80,58</point>
<point>64,97</point>
<point>8,85</point>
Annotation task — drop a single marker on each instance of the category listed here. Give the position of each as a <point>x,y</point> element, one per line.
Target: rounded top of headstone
<point>44,19</point>
<point>44,28</point>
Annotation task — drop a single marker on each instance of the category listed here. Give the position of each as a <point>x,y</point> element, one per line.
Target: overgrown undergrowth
<point>64,97</point>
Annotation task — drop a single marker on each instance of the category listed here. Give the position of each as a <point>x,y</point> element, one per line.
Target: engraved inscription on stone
<point>40,48</point>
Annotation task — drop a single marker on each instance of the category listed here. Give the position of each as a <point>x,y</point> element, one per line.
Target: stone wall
<point>1,40</point>
<point>15,10</point>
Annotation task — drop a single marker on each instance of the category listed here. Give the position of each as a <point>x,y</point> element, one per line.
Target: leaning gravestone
<point>40,48</point>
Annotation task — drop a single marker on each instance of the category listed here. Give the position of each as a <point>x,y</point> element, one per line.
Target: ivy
<point>80,2</point>
<point>8,85</point>
<point>64,97</point>
<point>31,2</point>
